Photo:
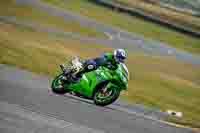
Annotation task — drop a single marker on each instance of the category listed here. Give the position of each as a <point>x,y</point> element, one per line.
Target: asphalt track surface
<point>27,107</point>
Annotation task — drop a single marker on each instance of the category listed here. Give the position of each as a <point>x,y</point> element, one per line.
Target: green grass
<point>32,15</point>
<point>159,82</point>
<point>165,84</point>
<point>26,47</point>
<point>130,23</point>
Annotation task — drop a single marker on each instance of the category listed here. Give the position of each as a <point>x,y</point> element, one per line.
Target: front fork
<point>105,89</point>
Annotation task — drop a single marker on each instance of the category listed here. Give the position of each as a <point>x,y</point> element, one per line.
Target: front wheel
<point>106,96</point>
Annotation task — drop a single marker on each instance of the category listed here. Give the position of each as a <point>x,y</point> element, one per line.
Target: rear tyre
<point>113,94</point>
<point>57,85</point>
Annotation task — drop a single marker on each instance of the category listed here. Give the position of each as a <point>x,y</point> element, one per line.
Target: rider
<point>110,60</point>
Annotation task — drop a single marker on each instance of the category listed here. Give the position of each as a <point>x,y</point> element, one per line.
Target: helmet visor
<point>120,59</point>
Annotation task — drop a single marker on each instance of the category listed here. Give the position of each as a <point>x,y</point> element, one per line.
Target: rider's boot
<point>64,77</point>
<point>68,75</point>
<point>75,77</point>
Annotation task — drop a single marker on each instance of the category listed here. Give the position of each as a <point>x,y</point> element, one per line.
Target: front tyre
<point>57,85</point>
<point>102,98</point>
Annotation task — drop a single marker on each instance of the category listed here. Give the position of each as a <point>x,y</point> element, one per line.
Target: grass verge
<point>163,83</point>
<point>31,15</point>
<point>129,23</point>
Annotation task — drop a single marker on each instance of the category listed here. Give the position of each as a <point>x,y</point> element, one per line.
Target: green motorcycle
<point>102,85</point>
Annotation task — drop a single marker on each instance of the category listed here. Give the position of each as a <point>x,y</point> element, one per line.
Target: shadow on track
<point>83,100</point>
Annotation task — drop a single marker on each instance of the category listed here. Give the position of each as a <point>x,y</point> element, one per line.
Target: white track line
<point>109,35</point>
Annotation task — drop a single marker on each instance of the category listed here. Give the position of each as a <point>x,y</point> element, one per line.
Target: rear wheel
<point>58,85</point>
<point>105,96</point>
